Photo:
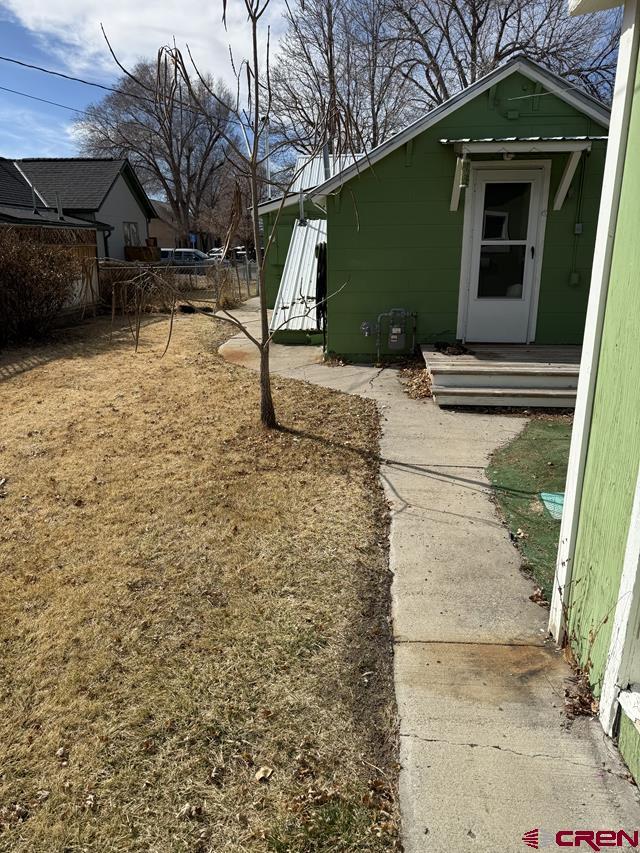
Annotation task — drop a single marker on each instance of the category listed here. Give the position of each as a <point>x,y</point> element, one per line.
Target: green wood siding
<point>278,252</point>
<point>629,746</point>
<point>393,243</point>
<point>613,451</point>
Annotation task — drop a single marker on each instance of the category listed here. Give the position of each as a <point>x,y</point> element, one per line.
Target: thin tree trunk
<point>267,410</point>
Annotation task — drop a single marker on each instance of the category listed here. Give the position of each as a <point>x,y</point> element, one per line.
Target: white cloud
<point>25,133</point>
<point>70,31</point>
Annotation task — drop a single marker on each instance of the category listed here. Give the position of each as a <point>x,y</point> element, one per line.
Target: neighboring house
<point>163,227</point>
<point>23,209</point>
<point>103,190</point>
<point>478,221</point>
<point>596,601</point>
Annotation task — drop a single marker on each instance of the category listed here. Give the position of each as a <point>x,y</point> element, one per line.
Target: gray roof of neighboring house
<point>17,203</point>
<point>14,189</point>
<point>81,182</point>
<point>45,216</point>
<point>163,210</point>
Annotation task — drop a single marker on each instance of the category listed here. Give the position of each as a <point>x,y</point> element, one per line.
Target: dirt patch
<point>194,626</point>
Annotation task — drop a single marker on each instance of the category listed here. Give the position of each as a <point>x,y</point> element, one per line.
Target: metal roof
<point>309,172</point>
<point>296,301</point>
<point>553,82</point>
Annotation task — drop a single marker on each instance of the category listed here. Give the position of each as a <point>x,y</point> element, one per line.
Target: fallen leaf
<point>189,811</point>
<point>264,774</point>
<point>538,597</point>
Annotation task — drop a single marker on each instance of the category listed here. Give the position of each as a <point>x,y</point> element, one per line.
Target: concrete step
<point>504,376</point>
<point>522,397</point>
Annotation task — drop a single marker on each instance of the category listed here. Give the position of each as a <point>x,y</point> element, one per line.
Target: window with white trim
<point>131,236</point>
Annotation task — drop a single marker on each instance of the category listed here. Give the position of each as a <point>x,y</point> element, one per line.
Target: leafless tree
<point>247,120</point>
<point>178,149</point>
<point>338,58</point>
<point>448,44</point>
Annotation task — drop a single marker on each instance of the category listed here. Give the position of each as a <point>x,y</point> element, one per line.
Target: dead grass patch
<point>186,599</point>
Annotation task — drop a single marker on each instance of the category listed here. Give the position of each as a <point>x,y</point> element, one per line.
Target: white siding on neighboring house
<point>119,207</point>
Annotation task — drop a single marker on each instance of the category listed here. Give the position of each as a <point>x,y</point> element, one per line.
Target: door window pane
<point>506,211</point>
<point>501,273</point>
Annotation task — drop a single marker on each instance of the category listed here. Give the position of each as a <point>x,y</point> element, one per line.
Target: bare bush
<point>36,280</point>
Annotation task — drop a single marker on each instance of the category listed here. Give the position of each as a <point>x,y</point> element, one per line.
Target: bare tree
<point>448,44</point>
<point>244,131</point>
<point>175,141</point>
<point>339,59</point>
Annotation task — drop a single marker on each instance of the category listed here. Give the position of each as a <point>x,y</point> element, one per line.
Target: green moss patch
<point>535,461</point>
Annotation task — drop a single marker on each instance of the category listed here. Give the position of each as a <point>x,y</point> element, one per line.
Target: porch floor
<point>505,375</point>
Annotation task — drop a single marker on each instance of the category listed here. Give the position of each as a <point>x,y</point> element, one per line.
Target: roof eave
<point>582,7</point>
<point>581,100</point>
<point>130,176</point>
<point>272,205</point>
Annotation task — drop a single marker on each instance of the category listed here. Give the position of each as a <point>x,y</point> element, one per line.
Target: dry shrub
<point>36,280</point>
<point>131,287</point>
<point>225,289</point>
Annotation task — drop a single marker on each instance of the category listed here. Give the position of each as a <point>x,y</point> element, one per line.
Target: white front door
<point>501,237</point>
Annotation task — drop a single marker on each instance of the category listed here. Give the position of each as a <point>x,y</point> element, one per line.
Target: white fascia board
<point>567,92</point>
<point>582,7</point>
<point>32,185</point>
<point>624,632</point>
<point>607,219</point>
<point>581,101</point>
<point>523,147</point>
<point>276,204</point>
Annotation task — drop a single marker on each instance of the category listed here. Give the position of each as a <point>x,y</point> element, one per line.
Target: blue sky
<point>29,128</point>
<point>65,35</point>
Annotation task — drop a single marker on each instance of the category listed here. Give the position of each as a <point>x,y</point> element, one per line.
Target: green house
<point>596,602</point>
<point>477,222</point>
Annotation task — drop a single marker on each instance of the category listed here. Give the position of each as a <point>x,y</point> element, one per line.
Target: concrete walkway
<point>486,751</point>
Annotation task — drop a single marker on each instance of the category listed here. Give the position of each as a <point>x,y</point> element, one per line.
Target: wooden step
<point>563,398</point>
<point>504,376</point>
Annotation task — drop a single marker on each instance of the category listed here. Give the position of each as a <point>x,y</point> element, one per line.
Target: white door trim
<point>625,623</point>
<point>476,167</point>
<point>607,219</point>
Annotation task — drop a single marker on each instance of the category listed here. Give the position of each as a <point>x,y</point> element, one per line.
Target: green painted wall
<point>613,451</point>
<point>280,246</point>
<point>393,243</point>
<point>629,746</point>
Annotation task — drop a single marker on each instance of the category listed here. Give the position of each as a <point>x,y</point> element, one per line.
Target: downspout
<point>607,220</point>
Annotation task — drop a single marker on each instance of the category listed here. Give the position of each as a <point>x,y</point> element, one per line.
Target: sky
<point>65,35</point>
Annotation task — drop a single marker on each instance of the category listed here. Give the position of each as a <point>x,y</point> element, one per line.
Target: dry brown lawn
<point>188,605</point>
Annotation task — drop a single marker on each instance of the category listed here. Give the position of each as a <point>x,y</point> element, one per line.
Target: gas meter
<point>397,335</point>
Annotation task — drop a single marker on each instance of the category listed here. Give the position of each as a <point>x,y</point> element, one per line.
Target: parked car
<point>187,260</point>
<point>216,254</point>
